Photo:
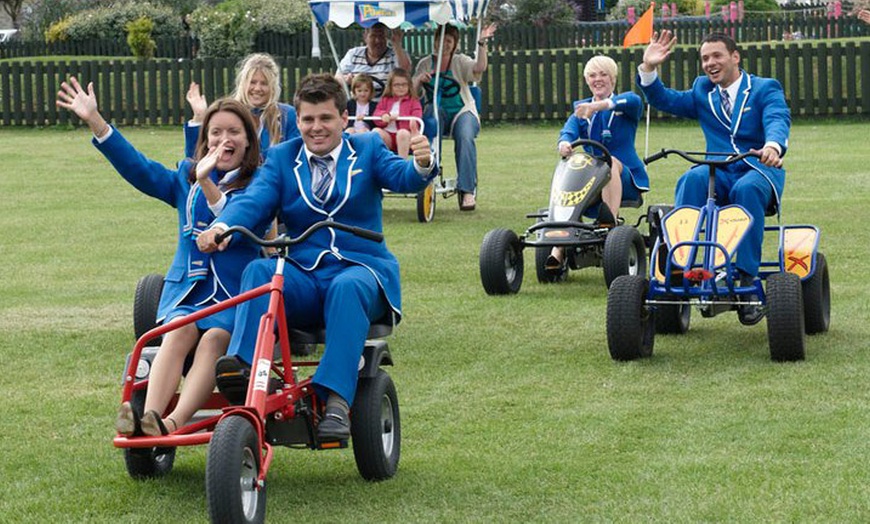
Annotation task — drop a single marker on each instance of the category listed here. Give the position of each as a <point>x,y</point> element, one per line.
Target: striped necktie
<point>322,178</point>
<point>726,103</point>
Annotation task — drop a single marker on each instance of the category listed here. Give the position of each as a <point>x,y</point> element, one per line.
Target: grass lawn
<point>512,409</point>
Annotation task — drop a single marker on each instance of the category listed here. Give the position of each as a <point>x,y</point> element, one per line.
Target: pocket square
<point>746,109</point>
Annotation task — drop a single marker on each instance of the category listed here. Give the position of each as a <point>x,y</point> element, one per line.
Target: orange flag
<point>641,32</point>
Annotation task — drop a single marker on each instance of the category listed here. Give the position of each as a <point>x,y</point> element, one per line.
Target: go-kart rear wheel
<point>501,262</point>
<point>147,463</point>
<point>673,319</point>
<point>630,322</point>
<point>785,317</point>
<point>376,430</point>
<point>145,302</point>
<point>624,254</point>
<point>231,472</point>
<point>426,203</point>
<point>544,276</point>
<point>817,298</point>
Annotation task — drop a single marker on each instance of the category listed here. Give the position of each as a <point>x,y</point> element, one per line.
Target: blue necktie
<point>323,176</point>
<point>726,103</point>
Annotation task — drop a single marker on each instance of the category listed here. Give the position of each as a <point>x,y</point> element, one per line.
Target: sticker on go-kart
<point>798,246</point>
<point>572,198</point>
<point>681,225</point>
<point>261,377</point>
<point>731,227</point>
<point>579,160</point>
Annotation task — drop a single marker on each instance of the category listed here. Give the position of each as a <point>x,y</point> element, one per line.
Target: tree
<point>13,9</point>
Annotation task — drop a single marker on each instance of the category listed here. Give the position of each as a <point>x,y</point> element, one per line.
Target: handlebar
<point>284,241</point>
<point>598,145</point>
<point>693,157</point>
<point>404,118</point>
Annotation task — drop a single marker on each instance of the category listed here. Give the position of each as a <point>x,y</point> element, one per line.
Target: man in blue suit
<point>334,278</point>
<point>737,112</point>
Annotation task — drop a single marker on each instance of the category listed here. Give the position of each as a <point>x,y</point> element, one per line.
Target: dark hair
<point>319,88</point>
<point>450,30</point>
<point>251,160</point>
<point>729,42</point>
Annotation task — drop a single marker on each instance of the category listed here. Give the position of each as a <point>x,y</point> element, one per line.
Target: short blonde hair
<point>604,64</point>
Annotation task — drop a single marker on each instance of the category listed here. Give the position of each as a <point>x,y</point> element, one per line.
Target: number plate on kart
<point>261,377</point>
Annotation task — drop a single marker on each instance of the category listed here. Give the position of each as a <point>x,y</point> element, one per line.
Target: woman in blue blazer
<point>228,155</point>
<point>611,119</point>
<point>258,87</point>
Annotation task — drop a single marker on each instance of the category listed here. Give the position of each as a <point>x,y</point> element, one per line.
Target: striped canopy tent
<point>402,14</point>
<point>415,13</point>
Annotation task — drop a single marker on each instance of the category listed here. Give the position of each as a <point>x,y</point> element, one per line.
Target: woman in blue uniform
<point>611,119</point>
<point>226,156</point>
<point>258,87</point>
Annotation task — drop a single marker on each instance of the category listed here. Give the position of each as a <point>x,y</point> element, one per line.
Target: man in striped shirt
<point>376,58</point>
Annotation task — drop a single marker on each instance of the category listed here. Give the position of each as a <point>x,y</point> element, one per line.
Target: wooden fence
<point>821,79</point>
<point>508,38</point>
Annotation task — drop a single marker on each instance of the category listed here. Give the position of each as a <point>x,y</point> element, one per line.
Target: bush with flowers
<point>229,28</point>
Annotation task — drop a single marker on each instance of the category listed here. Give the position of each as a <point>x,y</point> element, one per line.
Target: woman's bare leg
<point>199,383</point>
<point>167,366</point>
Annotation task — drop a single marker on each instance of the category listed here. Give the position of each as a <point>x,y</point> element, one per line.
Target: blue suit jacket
<point>760,115</point>
<point>366,166</point>
<point>622,121</point>
<point>172,187</point>
<point>289,131</point>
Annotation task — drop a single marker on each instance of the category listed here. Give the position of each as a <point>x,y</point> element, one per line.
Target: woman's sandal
<point>467,204</point>
<point>128,422</point>
<point>153,426</point>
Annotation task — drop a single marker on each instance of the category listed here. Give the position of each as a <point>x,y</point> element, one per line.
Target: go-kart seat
<point>380,328</point>
<point>632,203</point>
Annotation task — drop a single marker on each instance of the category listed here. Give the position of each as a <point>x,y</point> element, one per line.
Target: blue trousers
<point>464,130</point>
<point>749,189</point>
<point>343,297</point>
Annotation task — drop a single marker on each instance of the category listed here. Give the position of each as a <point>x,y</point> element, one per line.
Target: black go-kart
<point>577,184</point>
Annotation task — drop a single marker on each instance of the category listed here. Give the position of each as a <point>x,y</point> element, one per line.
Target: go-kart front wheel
<point>630,322</point>
<point>501,262</point>
<point>426,203</point>
<point>817,298</point>
<point>231,472</point>
<point>785,317</point>
<point>375,427</point>
<point>624,254</point>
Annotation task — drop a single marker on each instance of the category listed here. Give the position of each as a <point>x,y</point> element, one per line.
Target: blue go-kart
<point>691,264</point>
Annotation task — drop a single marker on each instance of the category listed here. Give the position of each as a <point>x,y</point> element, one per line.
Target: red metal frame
<point>258,403</point>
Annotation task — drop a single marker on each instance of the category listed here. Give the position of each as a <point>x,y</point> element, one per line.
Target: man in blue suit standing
<point>334,278</point>
<point>737,112</point>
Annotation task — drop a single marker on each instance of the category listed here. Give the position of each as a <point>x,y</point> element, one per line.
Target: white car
<point>6,34</point>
